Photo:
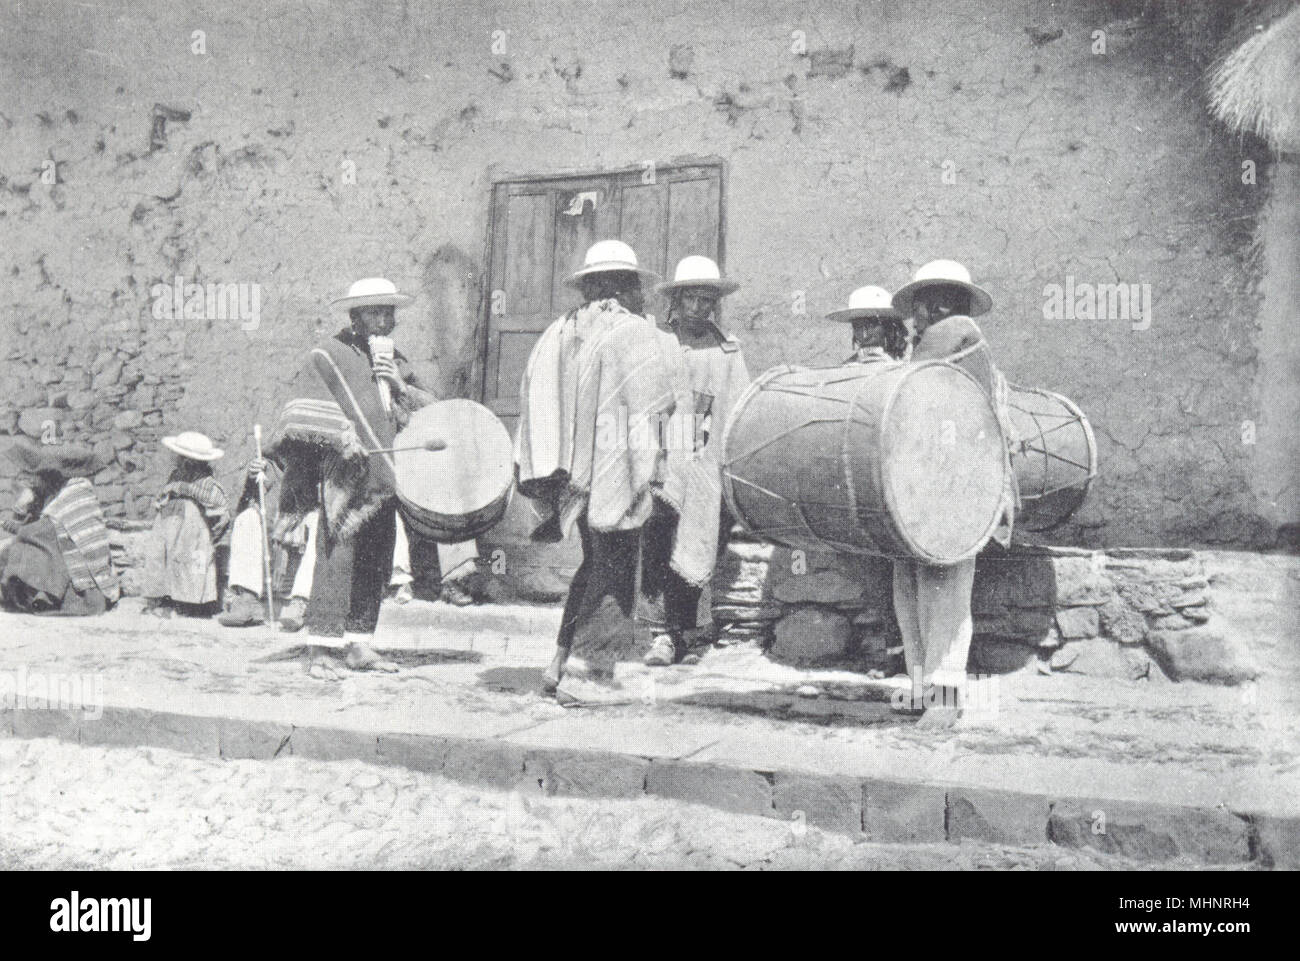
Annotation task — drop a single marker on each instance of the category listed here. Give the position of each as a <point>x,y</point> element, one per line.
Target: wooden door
<point>541,230</point>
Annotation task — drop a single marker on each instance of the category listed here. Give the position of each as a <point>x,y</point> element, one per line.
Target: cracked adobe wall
<point>1065,164</point>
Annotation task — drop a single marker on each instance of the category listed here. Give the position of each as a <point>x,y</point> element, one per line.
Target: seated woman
<point>57,560</point>
<point>180,569</point>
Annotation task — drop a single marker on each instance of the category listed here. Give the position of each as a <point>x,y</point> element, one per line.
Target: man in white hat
<point>942,300</point>
<point>933,603</point>
<point>350,400</point>
<point>180,569</point>
<point>683,537</point>
<point>598,383</point>
<point>879,331</point>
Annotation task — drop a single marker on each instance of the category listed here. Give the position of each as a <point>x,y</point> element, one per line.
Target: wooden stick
<point>430,445</point>
<point>266,537</point>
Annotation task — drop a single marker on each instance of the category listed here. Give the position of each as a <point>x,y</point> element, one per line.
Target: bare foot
<point>939,719</point>
<point>554,671</point>
<point>324,668</point>
<point>360,657</point>
<point>577,691</point>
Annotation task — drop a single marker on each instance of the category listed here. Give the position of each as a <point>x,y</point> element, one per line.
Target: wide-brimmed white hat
<point>866,302</point>
<point>607,256</point>
<point>192,444</point>
<point>372,291</point>
<point>942,273</point>
<point>696,271</point>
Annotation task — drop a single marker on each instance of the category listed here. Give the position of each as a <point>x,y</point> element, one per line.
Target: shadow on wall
<point>448,340</point>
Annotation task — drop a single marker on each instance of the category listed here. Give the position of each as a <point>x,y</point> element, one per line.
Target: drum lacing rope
<point>1065,421</point>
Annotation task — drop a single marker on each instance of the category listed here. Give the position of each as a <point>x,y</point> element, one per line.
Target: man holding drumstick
<point>325,442</point>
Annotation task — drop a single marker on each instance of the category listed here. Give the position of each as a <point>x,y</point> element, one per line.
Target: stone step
<point>680,765</point>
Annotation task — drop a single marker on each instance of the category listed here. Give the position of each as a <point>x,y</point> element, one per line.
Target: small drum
<point>455,494</point>
<point>886,459</point>
<point>1053,456</point>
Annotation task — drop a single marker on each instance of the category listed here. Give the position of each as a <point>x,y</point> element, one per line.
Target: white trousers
<point>401,557</point>
<point>933,609</point>
<point>246,568</point>
<point>454,560</point>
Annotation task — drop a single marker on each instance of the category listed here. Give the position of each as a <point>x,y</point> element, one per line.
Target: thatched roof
<point>1255,86</point>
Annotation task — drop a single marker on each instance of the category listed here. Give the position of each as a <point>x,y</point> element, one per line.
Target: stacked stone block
<point>1123,613</point>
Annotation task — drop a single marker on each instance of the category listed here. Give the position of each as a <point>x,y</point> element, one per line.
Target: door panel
<point>513,348</point>
<point>644,226</point>
<point>576,229</point>
<point>693,218</point>
<point>541,230</point>
<point>527,264</point>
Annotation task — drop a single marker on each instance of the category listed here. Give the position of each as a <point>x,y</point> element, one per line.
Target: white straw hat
<point>866,302</point>
<point>372,291</point>
<point>946,273</point>
<point>608,256</point>
<point>192,444</point>
<point>696,271</point>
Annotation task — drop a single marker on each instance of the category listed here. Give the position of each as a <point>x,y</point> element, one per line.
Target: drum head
<point>944,465</point>
<point>474,470</point>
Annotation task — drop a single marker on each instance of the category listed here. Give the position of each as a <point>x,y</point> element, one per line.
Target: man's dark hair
<point>894,330</point>
<point>621,285</point>
<point>607,284</point>
<point>895,336</point>
<point>959,295</point>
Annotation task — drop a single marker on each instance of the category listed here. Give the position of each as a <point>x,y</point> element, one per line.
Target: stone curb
<point>868,808</point>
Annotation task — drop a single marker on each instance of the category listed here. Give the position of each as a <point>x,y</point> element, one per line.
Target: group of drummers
<point>652,519</point>
<point>652,523</point>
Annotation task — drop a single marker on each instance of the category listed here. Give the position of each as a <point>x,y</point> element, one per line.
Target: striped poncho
<point>83,538</point>
<point>326,434</point>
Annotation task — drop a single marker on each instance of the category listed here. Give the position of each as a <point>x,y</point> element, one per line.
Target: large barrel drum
<point>889,459</point>
<point>1053,456</point>
<point>457,493</point>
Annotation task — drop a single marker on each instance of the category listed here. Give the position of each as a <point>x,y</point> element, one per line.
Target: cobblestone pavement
<point>64,806</point>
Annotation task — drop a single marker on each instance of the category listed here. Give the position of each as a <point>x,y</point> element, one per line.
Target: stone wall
<point>1122,613</point>
<point>112,394</point>
<point>316,143</point>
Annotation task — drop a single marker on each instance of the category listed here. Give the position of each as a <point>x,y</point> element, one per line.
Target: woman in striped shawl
<point>54,556</point>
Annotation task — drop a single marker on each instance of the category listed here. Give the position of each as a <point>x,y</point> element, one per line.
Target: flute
<point>381,348</point>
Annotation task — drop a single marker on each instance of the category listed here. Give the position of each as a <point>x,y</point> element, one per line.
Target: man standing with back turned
<point>598,383</point>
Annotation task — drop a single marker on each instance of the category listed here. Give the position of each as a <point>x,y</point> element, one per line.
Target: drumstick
<point>427,445</point>
<point>266,537</point>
